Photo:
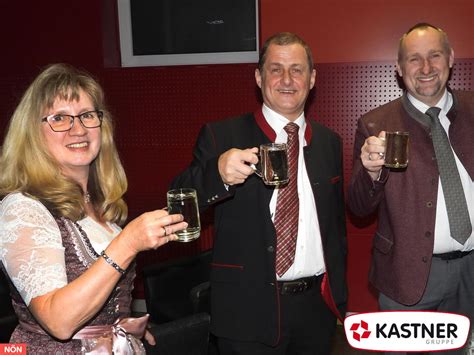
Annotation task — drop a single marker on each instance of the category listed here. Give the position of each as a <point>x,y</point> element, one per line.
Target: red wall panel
<point>366,30</point>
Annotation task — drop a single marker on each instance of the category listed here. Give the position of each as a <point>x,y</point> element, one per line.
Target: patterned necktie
<point>458,214</point>
<point>287,206</point>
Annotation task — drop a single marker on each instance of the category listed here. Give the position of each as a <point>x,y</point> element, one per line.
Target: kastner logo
<point>407,331</point>
<point>365,330</point>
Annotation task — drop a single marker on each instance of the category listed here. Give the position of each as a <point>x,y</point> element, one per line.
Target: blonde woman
<point>61,184</point>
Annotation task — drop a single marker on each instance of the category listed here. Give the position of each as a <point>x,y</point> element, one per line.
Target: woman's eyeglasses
<point>62,123</point>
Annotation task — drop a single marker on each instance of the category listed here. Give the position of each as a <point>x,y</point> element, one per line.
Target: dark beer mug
<point>273,164</point>
<point>396,149</point>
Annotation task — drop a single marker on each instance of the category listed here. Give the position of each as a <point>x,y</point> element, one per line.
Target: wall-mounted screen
<point>182,32</point>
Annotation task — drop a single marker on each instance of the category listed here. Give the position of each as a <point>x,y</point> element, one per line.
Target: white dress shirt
<point>309,257</point>
<point>443,242</point>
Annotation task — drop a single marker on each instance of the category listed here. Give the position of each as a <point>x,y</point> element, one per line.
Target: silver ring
<point>370,157</point>
<point>166,231</point>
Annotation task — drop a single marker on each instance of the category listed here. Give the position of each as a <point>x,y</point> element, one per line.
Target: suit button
<point>424,259</point>
<point>429,204</point>
<point>271,249</point>
<point>428,234</point>
<point>371,193</point>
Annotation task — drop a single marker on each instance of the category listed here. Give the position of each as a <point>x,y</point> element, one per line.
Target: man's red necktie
<point>287,206</point>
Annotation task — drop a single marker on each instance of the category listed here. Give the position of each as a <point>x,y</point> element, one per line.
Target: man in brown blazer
<point>417,263</point>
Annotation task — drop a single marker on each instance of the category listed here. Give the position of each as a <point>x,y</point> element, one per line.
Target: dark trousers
<point>307,328</point>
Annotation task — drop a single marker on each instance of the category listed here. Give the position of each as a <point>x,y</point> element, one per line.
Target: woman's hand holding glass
<point>151,230</point>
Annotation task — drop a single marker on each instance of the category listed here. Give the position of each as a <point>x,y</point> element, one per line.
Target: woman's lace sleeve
<point>31,248</point>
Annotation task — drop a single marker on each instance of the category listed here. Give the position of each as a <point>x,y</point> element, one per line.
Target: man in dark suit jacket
<point>417,264</point>
<point>254,310</point>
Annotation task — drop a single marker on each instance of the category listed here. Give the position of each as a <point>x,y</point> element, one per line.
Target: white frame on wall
<point>128,59</point>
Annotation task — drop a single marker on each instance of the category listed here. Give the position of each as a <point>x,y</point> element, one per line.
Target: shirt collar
<point>264,123</point>
<point>277,121</point>
<point>444,103</point>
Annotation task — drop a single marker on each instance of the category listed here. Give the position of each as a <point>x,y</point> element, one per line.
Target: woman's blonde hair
<point>26,165</point>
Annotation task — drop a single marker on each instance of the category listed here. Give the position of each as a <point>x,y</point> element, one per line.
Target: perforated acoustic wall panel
<point>159,111</point>
<point>344,92</point>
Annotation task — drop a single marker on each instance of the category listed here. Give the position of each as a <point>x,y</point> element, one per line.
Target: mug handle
<point>257,167</point>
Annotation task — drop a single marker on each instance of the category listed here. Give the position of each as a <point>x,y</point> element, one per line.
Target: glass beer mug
<point>273,164</point>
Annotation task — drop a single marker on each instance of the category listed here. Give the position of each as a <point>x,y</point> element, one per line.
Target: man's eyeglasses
<point>62,123</point>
